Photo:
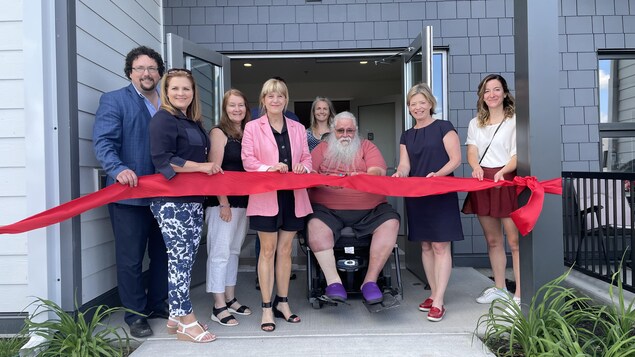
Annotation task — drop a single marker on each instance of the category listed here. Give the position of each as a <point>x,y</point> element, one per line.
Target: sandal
<point>200,338</point>
<point>242,310</point>
<point>294,319</point>
<point>225,321</point>
<point>267,326</point>
<point>172,328</point>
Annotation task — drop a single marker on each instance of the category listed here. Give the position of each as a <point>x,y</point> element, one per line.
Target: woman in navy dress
<point>431,148</point>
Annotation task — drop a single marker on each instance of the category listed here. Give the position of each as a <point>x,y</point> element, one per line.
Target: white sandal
<point>171,329</point>
<point>200,338</point>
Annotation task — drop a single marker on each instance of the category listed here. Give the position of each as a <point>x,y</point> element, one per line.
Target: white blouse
<point>503,146</point>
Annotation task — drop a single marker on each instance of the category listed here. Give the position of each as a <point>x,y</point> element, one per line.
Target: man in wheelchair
<point>345,153</point>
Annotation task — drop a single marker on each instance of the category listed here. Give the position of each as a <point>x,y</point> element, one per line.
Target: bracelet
<point>222,206</point>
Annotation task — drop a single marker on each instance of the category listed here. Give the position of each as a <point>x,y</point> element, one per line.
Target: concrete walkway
<point>338,330</point>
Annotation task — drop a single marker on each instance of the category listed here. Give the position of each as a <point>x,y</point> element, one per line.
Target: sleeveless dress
<point>431,218</point>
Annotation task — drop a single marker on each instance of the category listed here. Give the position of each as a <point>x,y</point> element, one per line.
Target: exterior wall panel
<point>106,31</point>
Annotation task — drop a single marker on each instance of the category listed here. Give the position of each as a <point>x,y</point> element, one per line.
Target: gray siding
<point>106,31</point>
<point>479,35</point>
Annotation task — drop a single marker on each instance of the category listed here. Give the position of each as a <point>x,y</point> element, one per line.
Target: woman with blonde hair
<point>431,148</point>
<point>276,143</point>
<point>322,114</point>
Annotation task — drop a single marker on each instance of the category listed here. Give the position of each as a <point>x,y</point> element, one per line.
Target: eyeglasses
<point>150,70</point>
<point>176,70</point>
<point>345,131</point>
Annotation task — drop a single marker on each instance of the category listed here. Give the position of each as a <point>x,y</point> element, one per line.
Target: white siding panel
<point>15,298</point>
<point>12,123</point>
<point>12,64</point>
<point>11,10</point>
<point>12,92</point>
<point>13,244</point>
<point>12,181</point>
<point>15,211</point>
<point>88,176</point>
<point>13,270</point>
<point>102,30</point>
<point>12,152</point>
<point>153,7</point>
<point>88,159</point>
<point>11,35</point>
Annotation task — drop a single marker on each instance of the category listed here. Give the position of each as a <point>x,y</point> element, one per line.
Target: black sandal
<point>264,326</point>
<point>225,320</point>
<point>242,310</point>
<point>294,319</point>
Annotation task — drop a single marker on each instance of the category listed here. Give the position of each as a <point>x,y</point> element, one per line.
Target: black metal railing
<point>598,224</point>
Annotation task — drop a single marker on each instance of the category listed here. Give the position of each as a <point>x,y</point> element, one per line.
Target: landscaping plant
<point>74,335</point>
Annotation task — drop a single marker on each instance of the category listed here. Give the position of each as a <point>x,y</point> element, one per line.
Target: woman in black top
<point>226,216</point>
<point>178,143</point>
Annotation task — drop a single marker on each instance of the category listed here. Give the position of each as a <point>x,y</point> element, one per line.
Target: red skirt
<point>496,202</point>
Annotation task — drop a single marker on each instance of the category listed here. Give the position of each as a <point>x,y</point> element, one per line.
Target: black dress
<point>431,218</point>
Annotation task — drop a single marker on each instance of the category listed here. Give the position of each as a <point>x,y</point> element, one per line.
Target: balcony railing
<point>597,214</point>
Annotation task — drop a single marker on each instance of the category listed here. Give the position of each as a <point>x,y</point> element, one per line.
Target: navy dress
<point>431,218</point>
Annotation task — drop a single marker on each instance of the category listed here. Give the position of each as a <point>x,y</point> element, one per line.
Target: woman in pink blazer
<point>275,143</point>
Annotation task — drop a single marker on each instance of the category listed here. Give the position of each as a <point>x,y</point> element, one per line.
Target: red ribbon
<point>243,183</point>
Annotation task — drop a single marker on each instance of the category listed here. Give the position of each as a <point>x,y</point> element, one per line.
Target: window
<point>616,78</point>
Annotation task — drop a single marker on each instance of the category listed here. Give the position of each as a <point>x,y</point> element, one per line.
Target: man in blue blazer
<point>122,146</point>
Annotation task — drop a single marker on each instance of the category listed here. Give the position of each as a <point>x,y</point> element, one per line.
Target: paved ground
<point>341,330</point>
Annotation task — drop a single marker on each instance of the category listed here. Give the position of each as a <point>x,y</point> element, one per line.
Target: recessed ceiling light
<point>247,64</point>
<point>363,62</point>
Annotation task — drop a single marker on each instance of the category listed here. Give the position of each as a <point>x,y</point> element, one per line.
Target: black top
<point>231,162</point>
<point>284,145</point>
<point>175,139</point>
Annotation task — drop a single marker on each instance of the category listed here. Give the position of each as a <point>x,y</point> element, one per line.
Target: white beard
<point>341,154</point>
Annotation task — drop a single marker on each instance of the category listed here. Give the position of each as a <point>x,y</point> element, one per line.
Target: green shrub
<point>69,335</point>
<point>560,322</point>
<point>10,347</point>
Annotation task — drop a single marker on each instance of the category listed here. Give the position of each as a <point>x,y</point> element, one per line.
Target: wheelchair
<point>351,259</point>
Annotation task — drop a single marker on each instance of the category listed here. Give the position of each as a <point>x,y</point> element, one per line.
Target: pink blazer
<point>260,152</point>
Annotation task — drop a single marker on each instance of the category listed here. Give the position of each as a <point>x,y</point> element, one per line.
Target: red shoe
<point>425,305</point>
<point>435,314</point>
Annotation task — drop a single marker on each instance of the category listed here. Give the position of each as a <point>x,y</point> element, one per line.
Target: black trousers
<point>135,229</point>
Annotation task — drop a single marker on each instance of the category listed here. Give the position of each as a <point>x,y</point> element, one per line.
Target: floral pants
<point>181,226</point>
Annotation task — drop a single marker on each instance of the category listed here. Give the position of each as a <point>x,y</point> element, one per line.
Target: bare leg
<point>495,248</point>
<point>283,268</point>
<point>442,270</point>
<point>268,246</point>
<point>321,243</point>
<point>512,239</point>
<point>427,259</point>
<point>384,239</point>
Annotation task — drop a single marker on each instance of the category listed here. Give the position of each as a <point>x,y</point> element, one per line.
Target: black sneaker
<point>140,328</point>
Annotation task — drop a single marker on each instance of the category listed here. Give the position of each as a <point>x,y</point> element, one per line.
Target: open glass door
<point>211,70</point>
<point>417,68</point>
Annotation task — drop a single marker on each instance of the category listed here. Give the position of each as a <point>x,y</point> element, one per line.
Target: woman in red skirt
<point>491,152</point>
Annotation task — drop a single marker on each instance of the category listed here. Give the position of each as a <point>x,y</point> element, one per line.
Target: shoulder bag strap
<point>490,142</point>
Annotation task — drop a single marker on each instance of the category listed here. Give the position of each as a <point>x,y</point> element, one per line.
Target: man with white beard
<point>345,154</point>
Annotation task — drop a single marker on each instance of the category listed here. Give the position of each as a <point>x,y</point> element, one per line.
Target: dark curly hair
<point>140,51</point>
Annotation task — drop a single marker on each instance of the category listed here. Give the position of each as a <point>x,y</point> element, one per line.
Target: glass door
<point>417,60</point>
<point>210,69</point>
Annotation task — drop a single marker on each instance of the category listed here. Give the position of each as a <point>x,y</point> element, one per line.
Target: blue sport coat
<point>121,137</point>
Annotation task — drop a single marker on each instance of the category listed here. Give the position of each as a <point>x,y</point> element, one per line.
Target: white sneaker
<point>490,294</point>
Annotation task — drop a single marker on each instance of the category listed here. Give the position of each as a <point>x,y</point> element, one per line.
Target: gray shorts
<point>363,222</point>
